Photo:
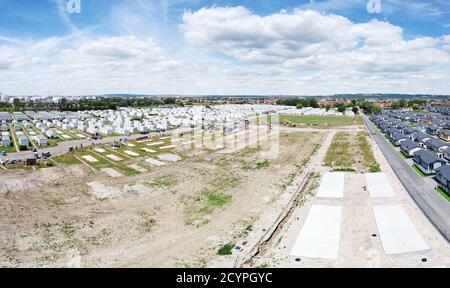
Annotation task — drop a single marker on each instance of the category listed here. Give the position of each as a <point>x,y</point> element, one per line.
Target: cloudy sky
<point>198,47</point>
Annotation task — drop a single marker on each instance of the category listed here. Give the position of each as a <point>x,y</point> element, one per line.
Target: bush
<point>226,249</point>
<point>374,168</point>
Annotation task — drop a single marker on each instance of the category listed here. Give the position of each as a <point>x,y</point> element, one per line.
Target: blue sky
<point>224,47</point>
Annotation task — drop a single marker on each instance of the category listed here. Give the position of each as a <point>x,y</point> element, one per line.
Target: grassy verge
<point>418,171</point>
<point>443,194</point>
<point>367,153</point>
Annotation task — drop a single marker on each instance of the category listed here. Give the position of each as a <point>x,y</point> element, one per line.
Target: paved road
<point>436,208</point>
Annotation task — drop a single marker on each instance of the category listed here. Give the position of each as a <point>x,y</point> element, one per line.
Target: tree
<point>355,110</point>
<point>299,105</point>
<point>169,100</point>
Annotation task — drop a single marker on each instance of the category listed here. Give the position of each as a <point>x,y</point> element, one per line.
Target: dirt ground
<point>176,215</point>
<point>360,245</point>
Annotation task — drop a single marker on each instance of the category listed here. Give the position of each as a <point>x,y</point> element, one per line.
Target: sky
<point>224,47</point>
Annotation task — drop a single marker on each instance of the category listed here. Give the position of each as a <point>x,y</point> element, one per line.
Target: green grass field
<point>11,149</point>
<point>325,121</point>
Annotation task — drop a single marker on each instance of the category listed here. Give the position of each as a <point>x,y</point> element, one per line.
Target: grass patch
<point>246,231</point>
<point>324,121</point>
<point>167,181</point>
<point>402,154</point>
<point>418,171</point>
<point>375,168</point>
<point>443,194</point>
<point>217,199</point>
<point>148,223</point>
<point>226,249</point>
<point>343,169</point>
<point>339,154</point>
<point>68,159</point>
<point>262,165</point>
<point>53,201</point>
<point>367,153</point>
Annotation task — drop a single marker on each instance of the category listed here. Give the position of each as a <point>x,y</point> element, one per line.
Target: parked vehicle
<point>46,155</point>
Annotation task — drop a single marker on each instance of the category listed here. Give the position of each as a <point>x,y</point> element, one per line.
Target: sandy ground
<point>358,246</point>
<point>160,218</point>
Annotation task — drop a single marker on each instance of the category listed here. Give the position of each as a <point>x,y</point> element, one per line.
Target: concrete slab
<point>148,150</point>
<point>169,157</point>
<point>138,168</point>
<point>155,144</point>
<point>155,162</point>
<point>167,147</point>
<point>131,153</point>
<point>379,185</point>
<point>332,185</point>
<point>320,235</point>
<point>99,150</point>
<point>89,158</point>
<point>112,173</point>
<point>398,234</point>
<point>114,157</point>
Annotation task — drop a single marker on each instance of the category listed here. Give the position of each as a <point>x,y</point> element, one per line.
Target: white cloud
<point>297,52</point>
<point>307,41</point>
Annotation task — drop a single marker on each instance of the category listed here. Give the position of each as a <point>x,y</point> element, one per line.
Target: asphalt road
<point>433,205</point>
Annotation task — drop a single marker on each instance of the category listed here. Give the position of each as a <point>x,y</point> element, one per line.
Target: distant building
<point>443,178</point>
<point>427,162</point>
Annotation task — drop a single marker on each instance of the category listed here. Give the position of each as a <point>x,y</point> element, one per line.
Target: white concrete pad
<point>100,150</point>
<point>320,235</point>
<point>138,168</point>
<point>131,145</point>
<point>379,186</point>
<point>332,185</point>
<point>131,153</point>
<point>167,147</point>
<point>65,136</point>
<point>397,232</point>
<point>155,162</point>
<point>189,142</point>
<point>148,150</point>
<point>114,157</point>
<point>89,158</point>
<point>169,157</point>
<point>155,144</point>
<point>80,135</point>
<point>112,173</point>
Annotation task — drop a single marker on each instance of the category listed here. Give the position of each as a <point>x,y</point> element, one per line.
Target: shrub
<point>226,249</point>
